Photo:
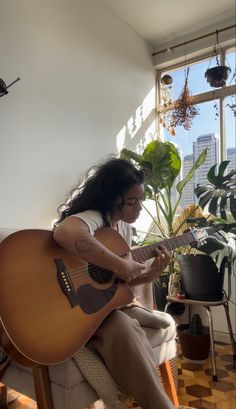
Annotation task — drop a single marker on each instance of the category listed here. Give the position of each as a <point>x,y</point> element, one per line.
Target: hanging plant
<point>184,111</point>
<point>217,76</point>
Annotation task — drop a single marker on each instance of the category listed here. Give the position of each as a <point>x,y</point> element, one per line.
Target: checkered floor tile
<point>196,387</point>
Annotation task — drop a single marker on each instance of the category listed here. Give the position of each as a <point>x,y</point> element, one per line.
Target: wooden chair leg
<point>168,382</point>
<point>42,387</point>
<point>3,396</point>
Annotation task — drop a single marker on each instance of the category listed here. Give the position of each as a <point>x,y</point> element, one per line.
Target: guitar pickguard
<point>91,299</point>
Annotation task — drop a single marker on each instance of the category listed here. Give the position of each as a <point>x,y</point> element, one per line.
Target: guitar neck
<point>141,254</point>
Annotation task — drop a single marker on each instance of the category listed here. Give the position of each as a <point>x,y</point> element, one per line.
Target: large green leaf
<point>160,161</point>
<point>200,160</point>
<point>127,154</point>
<point>204,199</point>
<point>213,204</point>
<point>222,206</point>
<point>217,179</point>
<point>220,192</point>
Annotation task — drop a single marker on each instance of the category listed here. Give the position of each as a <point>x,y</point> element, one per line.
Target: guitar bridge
<point>66,283</point>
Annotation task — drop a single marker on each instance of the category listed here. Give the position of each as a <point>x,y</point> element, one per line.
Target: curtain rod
<point>192,40</point>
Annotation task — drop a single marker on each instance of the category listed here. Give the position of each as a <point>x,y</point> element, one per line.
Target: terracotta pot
<point>194,347</point>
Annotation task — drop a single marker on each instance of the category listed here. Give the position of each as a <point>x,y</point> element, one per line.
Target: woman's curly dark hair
<point>100,189</point>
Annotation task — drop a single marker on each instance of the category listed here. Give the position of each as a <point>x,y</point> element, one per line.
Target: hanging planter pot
<point>217,76</point>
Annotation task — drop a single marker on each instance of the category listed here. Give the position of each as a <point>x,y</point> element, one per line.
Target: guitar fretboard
<point>144,253</point>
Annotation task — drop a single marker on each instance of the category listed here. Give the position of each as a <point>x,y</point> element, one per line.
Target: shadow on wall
<point>140,127</point>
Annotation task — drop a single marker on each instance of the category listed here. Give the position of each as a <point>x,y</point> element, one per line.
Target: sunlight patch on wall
<point>139,130</point>
<point>120,139</point>
<point>150,135</point>
<point>139,122</point>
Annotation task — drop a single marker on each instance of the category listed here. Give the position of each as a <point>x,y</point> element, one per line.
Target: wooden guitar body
<point>51,302</point>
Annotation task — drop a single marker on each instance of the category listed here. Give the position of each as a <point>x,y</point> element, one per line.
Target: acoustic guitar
<point>52,302</point>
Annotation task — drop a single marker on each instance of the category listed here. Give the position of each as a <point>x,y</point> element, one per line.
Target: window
<point>207,100</point>
<point>213,127</point>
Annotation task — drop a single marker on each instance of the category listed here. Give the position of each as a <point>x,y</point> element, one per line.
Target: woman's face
<point>132,205</point>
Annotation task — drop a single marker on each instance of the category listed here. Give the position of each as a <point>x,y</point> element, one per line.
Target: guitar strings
<point>80,271</point>
<point>138,253</point>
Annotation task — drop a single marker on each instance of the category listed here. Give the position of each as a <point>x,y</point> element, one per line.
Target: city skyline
<point>210,141</point>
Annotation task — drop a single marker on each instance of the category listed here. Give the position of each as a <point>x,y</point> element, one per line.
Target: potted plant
<point>202,275</point>
<point>194,339</point>
<point>161,164</point>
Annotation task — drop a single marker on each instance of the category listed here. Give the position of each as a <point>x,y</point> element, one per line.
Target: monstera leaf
<point>220,192</point>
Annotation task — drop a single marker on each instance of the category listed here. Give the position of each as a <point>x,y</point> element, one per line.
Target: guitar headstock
<point>199,235</point>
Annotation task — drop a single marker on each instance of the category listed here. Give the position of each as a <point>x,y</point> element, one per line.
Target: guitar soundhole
<point>99,275</point>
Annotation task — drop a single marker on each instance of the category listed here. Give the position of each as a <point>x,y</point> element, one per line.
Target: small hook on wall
<point>4,87</point>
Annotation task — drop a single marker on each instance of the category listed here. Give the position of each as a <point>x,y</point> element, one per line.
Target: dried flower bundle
<point>184,111</point>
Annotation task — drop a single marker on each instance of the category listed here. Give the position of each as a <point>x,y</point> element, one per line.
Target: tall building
<point>210,141</point>
<point>174,192</point>
<point>188,193</point>
<point>231,155</point>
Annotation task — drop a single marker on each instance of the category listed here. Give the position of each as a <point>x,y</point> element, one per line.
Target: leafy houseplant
<point>194,339</point>
<point>161,164</point>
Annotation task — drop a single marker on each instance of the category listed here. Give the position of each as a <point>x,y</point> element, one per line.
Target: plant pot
<point>200,277</point>
<point>194,347</point>
<point>217,76</point>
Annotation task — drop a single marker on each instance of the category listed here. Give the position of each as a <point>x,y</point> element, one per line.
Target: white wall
<point>86,88</point>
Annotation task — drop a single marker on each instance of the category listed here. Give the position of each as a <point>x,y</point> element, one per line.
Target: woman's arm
<point>73,235</point>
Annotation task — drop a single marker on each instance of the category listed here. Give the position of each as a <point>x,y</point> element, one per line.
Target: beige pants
<point>128,355</point>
